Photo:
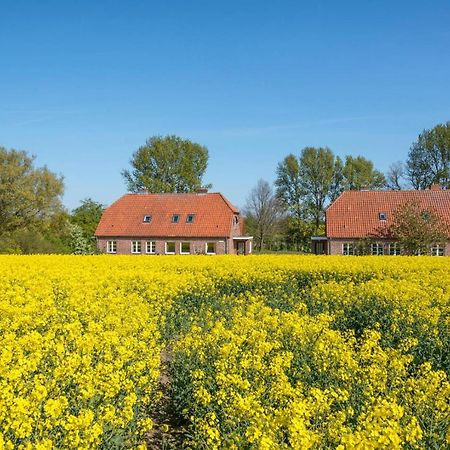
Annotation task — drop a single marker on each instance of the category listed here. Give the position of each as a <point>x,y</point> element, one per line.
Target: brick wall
<point>198,246</point>
<point>335,246</point>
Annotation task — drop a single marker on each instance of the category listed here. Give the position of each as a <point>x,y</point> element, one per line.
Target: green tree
<point>337,184</point>
<point>298,234</point>
<point>359,173</point>
<point>263,212</point>
<point>28,195</point>
<point>79,245</point>
<point>288,185</point>
<point>316,178</point>
<point>87,216</point>
<point>429,158</point>
<point>416,229</point>
<point>167,164</point>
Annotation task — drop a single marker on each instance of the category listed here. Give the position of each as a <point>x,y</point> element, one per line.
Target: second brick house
<point>358,215</point>
<point>194,223</point>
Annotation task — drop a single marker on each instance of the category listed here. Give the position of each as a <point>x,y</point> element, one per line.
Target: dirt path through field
<point>168,431</point>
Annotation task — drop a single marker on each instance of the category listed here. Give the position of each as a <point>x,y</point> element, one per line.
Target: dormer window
<point>190,218</point>
<point>147,218</point>
<point>236,220</point>
<point>382,216</point>
<point>175,218</point>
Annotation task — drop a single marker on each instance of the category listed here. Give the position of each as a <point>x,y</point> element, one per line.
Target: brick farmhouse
<point>157,224</point>
<point>358,215</point>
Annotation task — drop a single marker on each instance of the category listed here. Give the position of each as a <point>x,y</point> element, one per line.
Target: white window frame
<point>193,218</point>
<point>348,249</point>
<point>437,250</point>
<point>111,246</point>
<point>394,249</point>
<point>177,216</point>
<point>150,247</point>
<point>206,248</point>
<point>174,247</point>
<point>375,249</point>
<point>181,248</point>
<point>250,246</point>
<point>136,247</point>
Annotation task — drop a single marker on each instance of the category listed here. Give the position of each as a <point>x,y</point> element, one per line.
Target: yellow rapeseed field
<point>265,352</point>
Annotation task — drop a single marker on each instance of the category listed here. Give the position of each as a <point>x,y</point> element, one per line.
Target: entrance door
<point>240,247</point>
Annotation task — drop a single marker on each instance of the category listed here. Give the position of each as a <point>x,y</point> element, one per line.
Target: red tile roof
<point>213,216</point>
<point>355,214</point>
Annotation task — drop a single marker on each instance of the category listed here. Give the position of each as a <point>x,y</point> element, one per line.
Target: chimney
<point>202,190</point>
<point>435,187</point>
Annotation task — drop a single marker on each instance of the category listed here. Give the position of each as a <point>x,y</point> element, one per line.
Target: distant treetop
<point>167,164</point>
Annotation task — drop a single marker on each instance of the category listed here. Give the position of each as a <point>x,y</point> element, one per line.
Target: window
<point>190,218</point>
<point>135,246</point>
<point>437,250</point>
<point>147,218</point>
<point>175,218</point>
<point>236,220</point>
<point>382,216</point>
<point>394,248</point>
<point>170,248</point>
<point>347,248</point>
<point>210,248</point>
<point>111,247</point>
<point>185,248</point>
<point>426,215</point>
<point>150,247</point>
<point>376,249</point>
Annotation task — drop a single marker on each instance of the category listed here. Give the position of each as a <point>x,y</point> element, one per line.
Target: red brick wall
<point>198,246</point>
<point>336,246</point>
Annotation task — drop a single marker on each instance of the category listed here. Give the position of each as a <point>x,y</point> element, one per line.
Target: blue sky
<point>84,83</point>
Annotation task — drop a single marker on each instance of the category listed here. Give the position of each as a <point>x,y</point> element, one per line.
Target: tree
<point>298,234</point>
<point>167,164</point>
<point>28,195</point>
<point>263,212</point>
<point>359,173</point>
<point>394,176</point>
<point>87,216</point>
<point>316,178</point>
<point>416,228</point>
<point>79,245</point>
<point>288,185</point>
<point>429,158</point>
<point>337,184</point>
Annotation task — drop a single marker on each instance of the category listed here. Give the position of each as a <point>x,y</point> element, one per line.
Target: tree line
<point>32,216</point>
<point>281,217</point>
<point>286,215</point>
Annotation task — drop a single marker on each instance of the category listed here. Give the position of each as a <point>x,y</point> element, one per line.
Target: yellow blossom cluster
<point>265,352</point>
<point>80,350</point>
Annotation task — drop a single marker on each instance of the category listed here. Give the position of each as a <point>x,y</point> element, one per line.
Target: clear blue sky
<point>84,83</point>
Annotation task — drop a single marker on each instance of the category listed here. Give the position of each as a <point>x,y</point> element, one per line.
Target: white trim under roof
<point>242,238</point>
<point>319,238</point>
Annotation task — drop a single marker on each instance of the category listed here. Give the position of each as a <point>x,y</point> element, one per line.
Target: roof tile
<point>355,214</point>
<point>125,217</point>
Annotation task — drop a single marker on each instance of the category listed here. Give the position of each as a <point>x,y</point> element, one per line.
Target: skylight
<point>175,218</point>
<point>382,216</point>
<point>190,218</point>
<point>147,218</point>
